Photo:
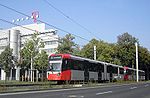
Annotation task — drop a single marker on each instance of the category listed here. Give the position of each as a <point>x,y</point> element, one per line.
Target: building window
<point>51,50</point>
<point>50,42</point>
<point>2,47</point>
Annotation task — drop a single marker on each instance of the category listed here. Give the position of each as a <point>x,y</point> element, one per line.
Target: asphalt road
<point>140,90</point>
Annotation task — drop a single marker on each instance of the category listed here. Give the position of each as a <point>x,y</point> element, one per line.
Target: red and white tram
<point>66,67</point>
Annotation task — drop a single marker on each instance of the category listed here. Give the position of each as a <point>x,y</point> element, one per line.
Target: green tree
<point>105,51</point>
<point>87,50</point>
<point>144,60</point>
<point>30,51</point>
<point>67,45</point>
<point>126,39</point>
<point>41,62</point>
<point>108,53</point>
<point>6,60</point>
<point>126,49</point>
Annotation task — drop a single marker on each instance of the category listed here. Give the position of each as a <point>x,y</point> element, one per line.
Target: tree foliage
<point>30,50</point>
<point>41,62</point>
<point>104,51</point>
<point>126,39</point>
<point>144,61</point>
<point>6,60</point>
<point>67,45</point>
<point>126,49</point>
<point>87,51</point>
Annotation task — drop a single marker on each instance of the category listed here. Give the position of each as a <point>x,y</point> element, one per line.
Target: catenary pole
<point>137,69</point>
<point>94,52</point>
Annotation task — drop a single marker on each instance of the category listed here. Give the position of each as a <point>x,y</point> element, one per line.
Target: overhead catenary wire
<point>18,25</point>
<point>12,9</point>
<point>63,30</point>
<point>12,23</point>
<point>72,20</point>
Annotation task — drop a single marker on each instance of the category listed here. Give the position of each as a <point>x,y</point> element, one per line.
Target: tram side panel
<point>77,75</point>
<point>93,76</point>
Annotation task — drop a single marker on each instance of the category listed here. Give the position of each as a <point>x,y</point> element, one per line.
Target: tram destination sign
<point>55,58</point>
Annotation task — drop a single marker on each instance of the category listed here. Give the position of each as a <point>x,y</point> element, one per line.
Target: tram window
<point>70,64</point>
<point>78,65</point>
<point>129,72</point>
<point>109,69</point>
<point>75,64</point>
<point>65,65</point>
<point>86,65</point>
<point>121,71</point>
<point>114,70</point>
<point>95,67</point>
<point>102,68</point>
<point>90,67</point>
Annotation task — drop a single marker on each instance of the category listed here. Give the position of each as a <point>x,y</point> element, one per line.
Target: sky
<point>103,19</point>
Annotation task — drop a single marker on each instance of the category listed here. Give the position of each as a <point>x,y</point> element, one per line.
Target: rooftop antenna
<point>34,16</point>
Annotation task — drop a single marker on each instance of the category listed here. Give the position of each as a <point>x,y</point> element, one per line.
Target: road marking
<point>146,85</point>
<point>133,87</point>
<point>103,93</point>
<point>72,96</point>
<point>75,96</point>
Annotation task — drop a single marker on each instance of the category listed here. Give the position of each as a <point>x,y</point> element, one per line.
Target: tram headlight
<point>58,74</point>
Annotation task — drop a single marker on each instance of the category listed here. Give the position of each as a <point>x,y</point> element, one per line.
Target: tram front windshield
<point>55,67</point>
<point>55,63</point>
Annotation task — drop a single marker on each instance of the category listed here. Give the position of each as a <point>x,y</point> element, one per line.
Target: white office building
<point>15,37</point>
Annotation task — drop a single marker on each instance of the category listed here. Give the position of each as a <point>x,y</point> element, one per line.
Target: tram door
<point>111,73</point>
<point>0,73</point>
<point>109,70</point>
<point>100,70</point>
<point>86,71</point>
